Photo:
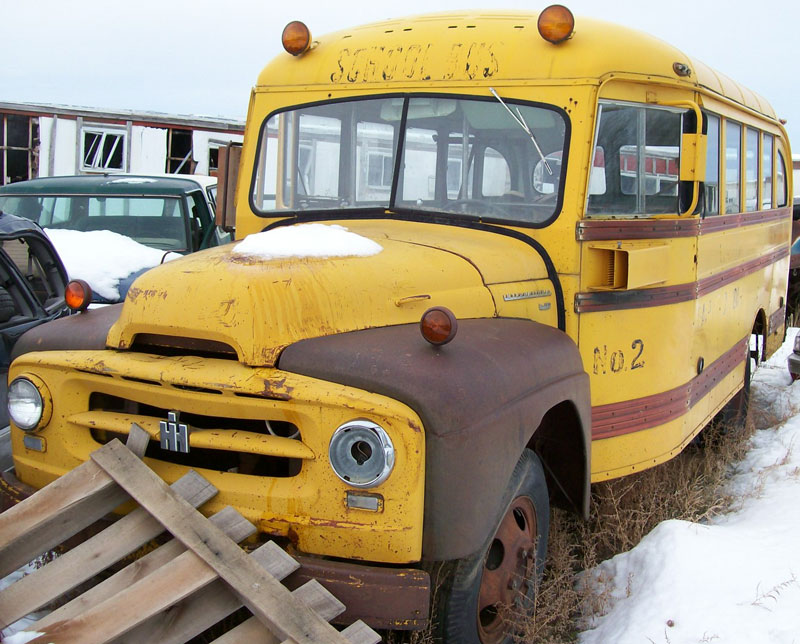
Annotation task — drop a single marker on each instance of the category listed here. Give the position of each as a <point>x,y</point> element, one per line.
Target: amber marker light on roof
<point>556,23</point>
<point>438,325</point>
<point>296,38</point>
<point>78,295</point>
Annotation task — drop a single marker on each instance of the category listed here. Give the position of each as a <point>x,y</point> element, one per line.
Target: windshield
<point>157,222</point>
<point>485,159</point>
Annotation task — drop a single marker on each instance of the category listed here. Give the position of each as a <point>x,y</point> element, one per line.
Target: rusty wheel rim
<point>507,569</point>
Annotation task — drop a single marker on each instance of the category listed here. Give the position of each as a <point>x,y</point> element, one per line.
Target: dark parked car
<point>32,283</point>
<point>165,213</point>
<point>794,359</point>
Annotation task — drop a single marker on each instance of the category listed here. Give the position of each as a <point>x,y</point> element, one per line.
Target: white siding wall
<point>148,150</point>
<point>66,141</point>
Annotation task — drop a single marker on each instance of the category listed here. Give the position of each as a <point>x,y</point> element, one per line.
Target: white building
<point>40,140</point>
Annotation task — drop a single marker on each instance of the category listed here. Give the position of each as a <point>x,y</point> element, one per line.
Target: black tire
<point>505,570</point>
<point>7,306</point>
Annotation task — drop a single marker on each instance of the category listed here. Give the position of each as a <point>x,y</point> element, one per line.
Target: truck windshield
<point>463,157</point>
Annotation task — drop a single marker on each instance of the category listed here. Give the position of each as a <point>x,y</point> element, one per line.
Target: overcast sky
<point>202,57</point>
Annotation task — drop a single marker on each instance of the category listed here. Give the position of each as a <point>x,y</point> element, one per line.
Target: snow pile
<point>737,579</point>
<point>103,258</point>
<point>306,240</point>
<point>16,633</point>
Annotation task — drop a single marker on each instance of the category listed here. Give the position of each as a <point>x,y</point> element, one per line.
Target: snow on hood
<point>306,240</point>
<point>103,258</point>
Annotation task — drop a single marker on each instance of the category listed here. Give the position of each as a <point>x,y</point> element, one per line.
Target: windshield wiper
<point>521,122</point>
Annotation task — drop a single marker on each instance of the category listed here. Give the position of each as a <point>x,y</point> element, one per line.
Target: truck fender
<point>481,399</point>
<point>87,330</point>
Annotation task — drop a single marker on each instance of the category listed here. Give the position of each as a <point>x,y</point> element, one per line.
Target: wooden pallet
<point>173,593</point>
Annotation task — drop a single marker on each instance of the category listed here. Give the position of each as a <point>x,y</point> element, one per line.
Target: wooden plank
<point>205,608</point>
<point>164,587</point>
<point>267,598</point>
<point>138,439</point>
<point>55,513</point>
<point>129,575</point>
<point>94,555</point>
<point>359,633</point>
<point>312,593</point>
<point>319,599</point>
<point>58,511</point>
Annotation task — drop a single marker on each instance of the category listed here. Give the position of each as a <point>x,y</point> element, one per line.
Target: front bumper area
<point>387,598</point>
<point>12,490</point>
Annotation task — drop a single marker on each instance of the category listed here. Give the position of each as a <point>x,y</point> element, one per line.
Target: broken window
<point>19,148</point>
<point>103,149</point>
<point>179,152</point>
<point>213,161</point>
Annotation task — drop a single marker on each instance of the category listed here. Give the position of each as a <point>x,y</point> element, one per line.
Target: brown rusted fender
<point>481,398</point>
<point>390,598</point>
<point>87,330</point>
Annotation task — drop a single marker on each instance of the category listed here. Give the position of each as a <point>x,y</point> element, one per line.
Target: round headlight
<point>25,404</point>
<point>361,453</point>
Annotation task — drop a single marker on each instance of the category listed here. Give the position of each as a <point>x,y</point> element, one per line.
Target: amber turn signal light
<point>78,295</point>
<point>438,325</point>
<point>296,38</point>
<point>556,23</point>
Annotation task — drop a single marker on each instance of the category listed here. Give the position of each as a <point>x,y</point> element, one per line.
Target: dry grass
<point>690,487</point>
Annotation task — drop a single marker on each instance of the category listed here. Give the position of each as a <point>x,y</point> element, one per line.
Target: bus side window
<point>639,149</point>
<point>780,180</point>
<point>711,185</point>
<point>752,139</point>
<point>766,167</point>
<point>733,151</point>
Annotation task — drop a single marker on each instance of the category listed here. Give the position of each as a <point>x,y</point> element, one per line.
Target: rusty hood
<point>258,305</point>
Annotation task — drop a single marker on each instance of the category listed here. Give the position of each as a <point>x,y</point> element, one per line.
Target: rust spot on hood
<point>277,389</point>
<point>135,293</point>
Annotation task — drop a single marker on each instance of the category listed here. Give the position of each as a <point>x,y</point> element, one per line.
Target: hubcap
<point>508,570</point>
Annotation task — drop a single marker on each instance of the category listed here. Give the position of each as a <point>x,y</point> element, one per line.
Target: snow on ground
<point>103,258</point>
<point>306,240</point>
<point>736,579</point>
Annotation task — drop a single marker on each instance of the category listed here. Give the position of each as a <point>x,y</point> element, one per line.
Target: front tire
<point>503,574</point>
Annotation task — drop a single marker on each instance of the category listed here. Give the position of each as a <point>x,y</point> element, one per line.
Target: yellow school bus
<point>482,260</point>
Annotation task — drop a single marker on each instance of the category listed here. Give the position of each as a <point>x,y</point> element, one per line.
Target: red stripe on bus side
<point>635,415</point>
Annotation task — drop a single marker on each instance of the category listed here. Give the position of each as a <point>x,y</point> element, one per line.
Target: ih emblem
<point>174,434</point>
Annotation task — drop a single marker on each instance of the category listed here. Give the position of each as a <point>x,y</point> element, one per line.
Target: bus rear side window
<point>733,147</point>
<point>766,161</point>
<point>711,185</point>
<point>641,161</point>
<point>780,180</point>
<point>751,170</point>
